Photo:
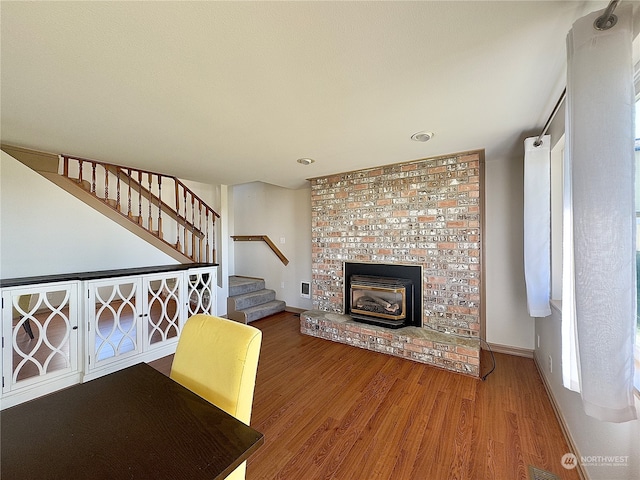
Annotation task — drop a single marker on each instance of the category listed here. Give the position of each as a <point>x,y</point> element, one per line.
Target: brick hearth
<point>425,212</point>
<point>422,345</point>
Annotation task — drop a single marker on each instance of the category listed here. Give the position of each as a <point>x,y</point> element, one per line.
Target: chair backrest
<point>217,359</point>
<point>24,301</point>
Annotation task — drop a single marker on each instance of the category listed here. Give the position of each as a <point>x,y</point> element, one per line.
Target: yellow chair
<point>217,359</point>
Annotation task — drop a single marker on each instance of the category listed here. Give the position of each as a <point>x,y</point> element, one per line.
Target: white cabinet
<point>114,324</point>
<point>40,339</point>
<point>55,334</point>
<point>164,309</point>
<point>201,291</point>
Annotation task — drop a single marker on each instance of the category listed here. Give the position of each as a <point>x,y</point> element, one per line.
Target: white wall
<point>507,320</point>
<point>45,230</point>
<point>592,437</point>
<point>279,213</point>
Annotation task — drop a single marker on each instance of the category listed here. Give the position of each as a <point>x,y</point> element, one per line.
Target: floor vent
<point>537,474</point>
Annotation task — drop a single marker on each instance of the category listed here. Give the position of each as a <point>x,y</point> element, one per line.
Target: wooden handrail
<point>186,225</point>
<point>148,172</point>
<point>193,194</point>
<point>261,238</point>
<point>144,191</point>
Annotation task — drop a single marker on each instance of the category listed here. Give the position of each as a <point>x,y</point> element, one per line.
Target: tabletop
<point>132,424</point>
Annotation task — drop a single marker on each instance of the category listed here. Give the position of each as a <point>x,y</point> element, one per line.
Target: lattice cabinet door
<point>114,320</point>
<point>163,311</point>
<point>39,334</point>
<point>201,290</point>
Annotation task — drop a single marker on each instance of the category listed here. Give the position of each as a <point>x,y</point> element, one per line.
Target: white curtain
<point>600,139</point>
<point>537,225</point>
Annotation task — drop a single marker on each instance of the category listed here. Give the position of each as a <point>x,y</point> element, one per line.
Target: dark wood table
<point>132,424</point>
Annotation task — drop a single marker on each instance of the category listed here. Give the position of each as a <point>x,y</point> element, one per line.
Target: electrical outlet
<point>281,284</point>
<point>550,364</point>
<point>283,240</point>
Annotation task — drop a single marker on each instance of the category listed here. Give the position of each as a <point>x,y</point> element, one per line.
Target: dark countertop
<point>96,275</point>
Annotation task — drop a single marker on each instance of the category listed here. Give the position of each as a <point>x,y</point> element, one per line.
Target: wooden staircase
<point>158,208</point>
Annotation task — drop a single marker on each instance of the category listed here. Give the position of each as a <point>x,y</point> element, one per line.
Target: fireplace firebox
<point>384,295</point>
<point>381,300</point>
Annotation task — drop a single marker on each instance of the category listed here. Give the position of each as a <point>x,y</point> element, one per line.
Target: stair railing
<point>265,239</point>
<point>145,198</point>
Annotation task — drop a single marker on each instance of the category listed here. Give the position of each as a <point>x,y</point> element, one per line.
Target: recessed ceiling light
<point>422,136</point>
<point>305,161</point>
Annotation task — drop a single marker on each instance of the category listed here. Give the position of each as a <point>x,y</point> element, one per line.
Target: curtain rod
<point>603,22</point>
<point>538,141</point>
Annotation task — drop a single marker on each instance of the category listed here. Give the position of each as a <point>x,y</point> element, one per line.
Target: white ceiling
<point>234,92</point>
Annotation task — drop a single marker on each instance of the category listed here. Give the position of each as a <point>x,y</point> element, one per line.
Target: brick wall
<point>425,212</point>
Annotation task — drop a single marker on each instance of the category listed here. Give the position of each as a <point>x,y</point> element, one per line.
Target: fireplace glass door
<point>378,302</point>
<point>378,298</point>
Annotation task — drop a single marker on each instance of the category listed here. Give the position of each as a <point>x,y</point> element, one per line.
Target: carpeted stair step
<point>264,310</point>
<point>239,285</point>
<point>252,299</point>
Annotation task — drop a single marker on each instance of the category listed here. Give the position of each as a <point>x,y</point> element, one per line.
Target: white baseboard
<point>561,420</point>
<point>509,350</point>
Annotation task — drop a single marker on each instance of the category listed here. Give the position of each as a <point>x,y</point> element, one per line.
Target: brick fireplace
<point>425,213</point>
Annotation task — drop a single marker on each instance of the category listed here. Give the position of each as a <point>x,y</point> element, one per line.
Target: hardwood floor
<point>332,411</point>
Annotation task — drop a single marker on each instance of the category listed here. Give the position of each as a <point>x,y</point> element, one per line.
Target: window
<point>637,339</point>
<point>557,182</point>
